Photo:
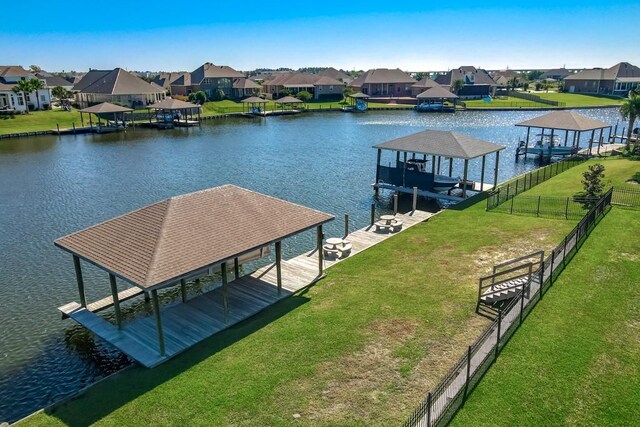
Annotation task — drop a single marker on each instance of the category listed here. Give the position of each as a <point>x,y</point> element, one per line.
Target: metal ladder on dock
<point>507,280</point>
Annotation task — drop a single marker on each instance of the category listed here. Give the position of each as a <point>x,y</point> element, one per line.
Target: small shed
<point>437,144</point>
<point>571,123</point>
<point>169,242</point>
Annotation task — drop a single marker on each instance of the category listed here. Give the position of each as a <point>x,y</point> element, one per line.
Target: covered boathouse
<point>184,238</point>
<point>411,172</point>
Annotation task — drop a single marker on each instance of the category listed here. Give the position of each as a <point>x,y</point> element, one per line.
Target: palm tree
<point>457,85</point>
<point>631,109</point>
<point>512,83</point>
<point>24,87</point>
<point>36,85</point>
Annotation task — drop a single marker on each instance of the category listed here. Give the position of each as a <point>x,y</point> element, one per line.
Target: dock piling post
<point>74,127</point>
<point>236,268</point>
<point>373,213</point>
<point>183,289</point>
<point>78,268</point>
<point>319,238</point>
<point>156,311</point>
<point>346,225</point>
<point>415,198</point>
<point>116,301</point>
<point>58,126</point>
<point>395,203</point>
<point>225,299</point>
<point>278,265</point>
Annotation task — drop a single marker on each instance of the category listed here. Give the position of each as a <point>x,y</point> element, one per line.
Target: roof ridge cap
<point>159,240</point>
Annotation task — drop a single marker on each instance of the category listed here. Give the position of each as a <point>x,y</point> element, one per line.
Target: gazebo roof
<point>106,107</point>
<point>358,95</point>
<point>564,120</point>
<point>437,92</point>
<point>254,100</point>
<point>161,243</point>
<point>441,143</point>
<point>288,100</point>
<point>173,104</point>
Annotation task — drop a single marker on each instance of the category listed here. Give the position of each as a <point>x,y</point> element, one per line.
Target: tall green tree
<point>630,109</point>
<point>23,87</point>
<point>457,85</point>
<point>60,93</point>
<point>304,96</point>
<point>36,85</point>
<point>512,83</point>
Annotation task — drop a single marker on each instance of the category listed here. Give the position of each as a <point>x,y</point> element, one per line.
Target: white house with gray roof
<point>10,75</point>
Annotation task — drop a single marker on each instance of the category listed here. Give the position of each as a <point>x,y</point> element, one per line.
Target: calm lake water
<point>51,186</point>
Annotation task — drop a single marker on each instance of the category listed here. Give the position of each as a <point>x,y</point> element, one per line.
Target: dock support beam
<point>450,166</point>
<point>378,169</point>
<point>320,253</point>
<point>236,268</point>
<point>495,173</point>
<point>225,297</point>
<point>183,289</point>
<point>76,264</point>
<point>156,312</point>
<point>278,265</point>
<point>116,301</point>
<point>464,178</point>
<point>484,162</point>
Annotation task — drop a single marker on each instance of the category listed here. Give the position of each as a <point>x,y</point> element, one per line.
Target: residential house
<point>336,74</point>
<point>422,85</point>
<point>321,87</point>
<point>617,80</point>
<point>51,80</point>
<point>555,74</point>
<point>384,82</point>
<point>244,87</point>
<point>504,77</point>
<point>477,82</point>
<point>116,86</point>
<point>10,75</point>
<point>212,78</point>
<point>165,80</point>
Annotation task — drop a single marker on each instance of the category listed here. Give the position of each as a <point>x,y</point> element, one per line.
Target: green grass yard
<point>580,100</point>
<point>617,172</point>
<point>39,120</point>
<point>361,347</point>
<point>576,359</point>
<point>504,102</point>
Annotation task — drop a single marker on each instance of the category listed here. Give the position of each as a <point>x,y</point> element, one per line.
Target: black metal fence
<point>548,206</point>
<point>626,197</point>
<point>511,189</point>
<point>443,402</point>
<point>535,98</point>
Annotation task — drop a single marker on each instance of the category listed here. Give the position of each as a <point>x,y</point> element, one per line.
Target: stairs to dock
<point>507,280</point>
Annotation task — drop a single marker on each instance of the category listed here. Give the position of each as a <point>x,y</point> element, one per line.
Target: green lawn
<point>503,102</point>
<point>361,347</point>
<point>617,172</point>
<point>39,120</point>
<point>228,106</point>
<point>576,359</point>
<point>580,100</point>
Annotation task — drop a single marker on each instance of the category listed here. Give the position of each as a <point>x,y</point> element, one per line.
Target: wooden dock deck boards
<point>202,316</point>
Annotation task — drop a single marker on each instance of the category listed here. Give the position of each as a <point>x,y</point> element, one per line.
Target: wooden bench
<point>382,225</point>
<point>396,225</point>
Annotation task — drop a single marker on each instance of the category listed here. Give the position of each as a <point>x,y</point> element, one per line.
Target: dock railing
<point>441,404</point>
<point>511,189</point>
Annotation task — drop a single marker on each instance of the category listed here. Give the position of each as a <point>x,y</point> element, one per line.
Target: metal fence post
<point>564,252</point>
<point>498,337</point>
<point>466,384</point>
<point>538,211</point>
<point>429,409</point>
<point>512,200</point>
<point>566,209</point>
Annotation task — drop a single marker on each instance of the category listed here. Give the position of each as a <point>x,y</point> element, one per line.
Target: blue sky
<point>351,35</point>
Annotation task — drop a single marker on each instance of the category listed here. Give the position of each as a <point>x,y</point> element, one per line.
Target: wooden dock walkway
<point>187,323</point>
